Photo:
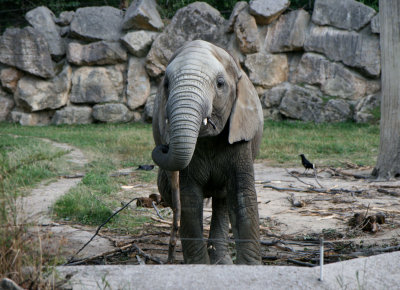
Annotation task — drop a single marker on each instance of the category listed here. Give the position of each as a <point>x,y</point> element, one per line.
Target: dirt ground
<point>354,215</point>
<point>295,209</point>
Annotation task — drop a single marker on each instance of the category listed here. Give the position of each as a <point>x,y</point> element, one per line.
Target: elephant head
<point>203,91</point>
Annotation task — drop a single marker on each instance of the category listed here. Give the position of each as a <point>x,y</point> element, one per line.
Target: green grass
<point>111,147</point>
<point>325,144</point>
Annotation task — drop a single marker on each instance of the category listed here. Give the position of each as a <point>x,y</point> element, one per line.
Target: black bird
<point>145,167</point>
<point>307,164</point>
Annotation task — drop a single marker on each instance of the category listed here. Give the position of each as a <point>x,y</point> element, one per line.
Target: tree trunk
<point>388,165</point>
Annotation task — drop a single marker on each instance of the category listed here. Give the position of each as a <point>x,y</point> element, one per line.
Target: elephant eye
<point>220,82</point>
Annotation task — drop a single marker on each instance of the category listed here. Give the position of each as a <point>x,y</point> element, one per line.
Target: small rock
<point>27,50</point>
<point>266,11</point>
<point>143,14</point>
<point>97,23</point>
<point>97,53</point>
<point>247,33</point>
<point>267,70</point>
<point>65,18</point>
<point>112,113</point>
<point>73,115</point>
<point>344,14</point>
<point>41,118</point>
<point>139,42</point>
<point>8,284</point>
<point>9,78</point>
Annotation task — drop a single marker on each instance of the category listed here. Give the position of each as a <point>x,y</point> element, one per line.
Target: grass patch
<point>324,144</point>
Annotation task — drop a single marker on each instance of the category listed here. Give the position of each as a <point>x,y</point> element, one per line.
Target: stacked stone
<point>101,64</point>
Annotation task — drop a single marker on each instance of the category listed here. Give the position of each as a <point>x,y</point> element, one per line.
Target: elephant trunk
<point>185,117</point>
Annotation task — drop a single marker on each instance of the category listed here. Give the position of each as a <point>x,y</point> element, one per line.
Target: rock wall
<point>101,64</point>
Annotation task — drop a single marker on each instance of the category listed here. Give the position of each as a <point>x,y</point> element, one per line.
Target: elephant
<point>207,125</point>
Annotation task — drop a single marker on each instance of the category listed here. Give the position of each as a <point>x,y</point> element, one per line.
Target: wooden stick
<point>176,210</point>
<point>291,174</point>
<point>156,209</point>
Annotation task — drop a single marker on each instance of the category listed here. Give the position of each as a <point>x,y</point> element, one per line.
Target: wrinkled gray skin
<point>214,159</point>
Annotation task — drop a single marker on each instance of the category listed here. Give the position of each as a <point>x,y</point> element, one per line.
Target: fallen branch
<point>298,178</point>
<point>103,224</point>
<point>356,176</point>
<point>392,193</point>
<point>157,211</point>
<point>300,263</point>
<point>319,190</point>
<point>295,202</point>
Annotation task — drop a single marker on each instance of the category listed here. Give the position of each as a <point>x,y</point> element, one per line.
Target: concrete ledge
<point>377,272</point>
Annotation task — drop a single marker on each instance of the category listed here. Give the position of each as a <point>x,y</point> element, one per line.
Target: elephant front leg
<point>243,213</point>
<point>218,239</point>
<point>191,232</point>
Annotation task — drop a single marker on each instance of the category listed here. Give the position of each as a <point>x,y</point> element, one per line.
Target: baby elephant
<point>207,125</point>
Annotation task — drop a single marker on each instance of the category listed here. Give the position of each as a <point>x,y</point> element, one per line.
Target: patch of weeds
<point>81,206</point>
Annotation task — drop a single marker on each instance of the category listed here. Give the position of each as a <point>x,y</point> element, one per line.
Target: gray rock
<point>143,14</point>
<point>9,78</point>
<point>36,94</point>
<point>345,14</point>
<point>8,284</point>
<point>97,23</point>
<point>195,21</point>
<point>41,18</point>
<point>239,6</point>
<point>368,109</point>
<point>359,50</point>
<point>246,32</point>
<point>288,33</point>
<point>267,70</point>
<point>301,103</point>
<point>73,115</point>
<point>138,84</point>
<point>64,18</point>
<point>375,24</point>
<point>27,50</point>
<point>41,118</point>
<point>336,110</point>
<point>266,11</point>
<point>98,84</point>
<point>6,105</point>
<point>139,42</point>
<point>112,113</point>
<point>272,114</point>
<point>334,78</point>
<point>96,53</point>
<point>273,97</point>
<point>64,31</point>
<point>233,48</point>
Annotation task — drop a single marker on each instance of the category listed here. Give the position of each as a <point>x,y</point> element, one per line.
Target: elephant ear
<point>246,117</point>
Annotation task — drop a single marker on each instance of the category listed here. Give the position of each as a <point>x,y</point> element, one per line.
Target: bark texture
<point>388,165</point>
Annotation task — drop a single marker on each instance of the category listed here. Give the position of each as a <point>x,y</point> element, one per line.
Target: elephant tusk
<point>212,123</point>
<point>205,121</point>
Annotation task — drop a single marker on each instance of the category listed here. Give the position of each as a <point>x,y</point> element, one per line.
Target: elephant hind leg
<point>218,239</point>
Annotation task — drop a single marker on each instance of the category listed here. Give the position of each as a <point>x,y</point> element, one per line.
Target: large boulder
<point>98,84</point>
<point>97,23</point>
<point>42,19</point>
<point>112,113</point>
<point>266,11</point>
<point>64,18</point>
<point>267,70</point>
<point>6,105</point>
<point>36,94</point>
<point>73,115</point>
<point>300,103</point>
<point>359,50</point>
<point>143,14</point>
<point>24,118</point>
<point>138,84</point>
<point>246,32</point>
<point>336,110</point>
<point>334,78</point>
<point>195,21</point>
<point>288,33</point>
<point>344,14</point>
<point>96,53</point>
<point>27,50</point>
<point>139,42</point>
<point>9,78</point>
<point>368,109</point>
<point>239,6</point>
